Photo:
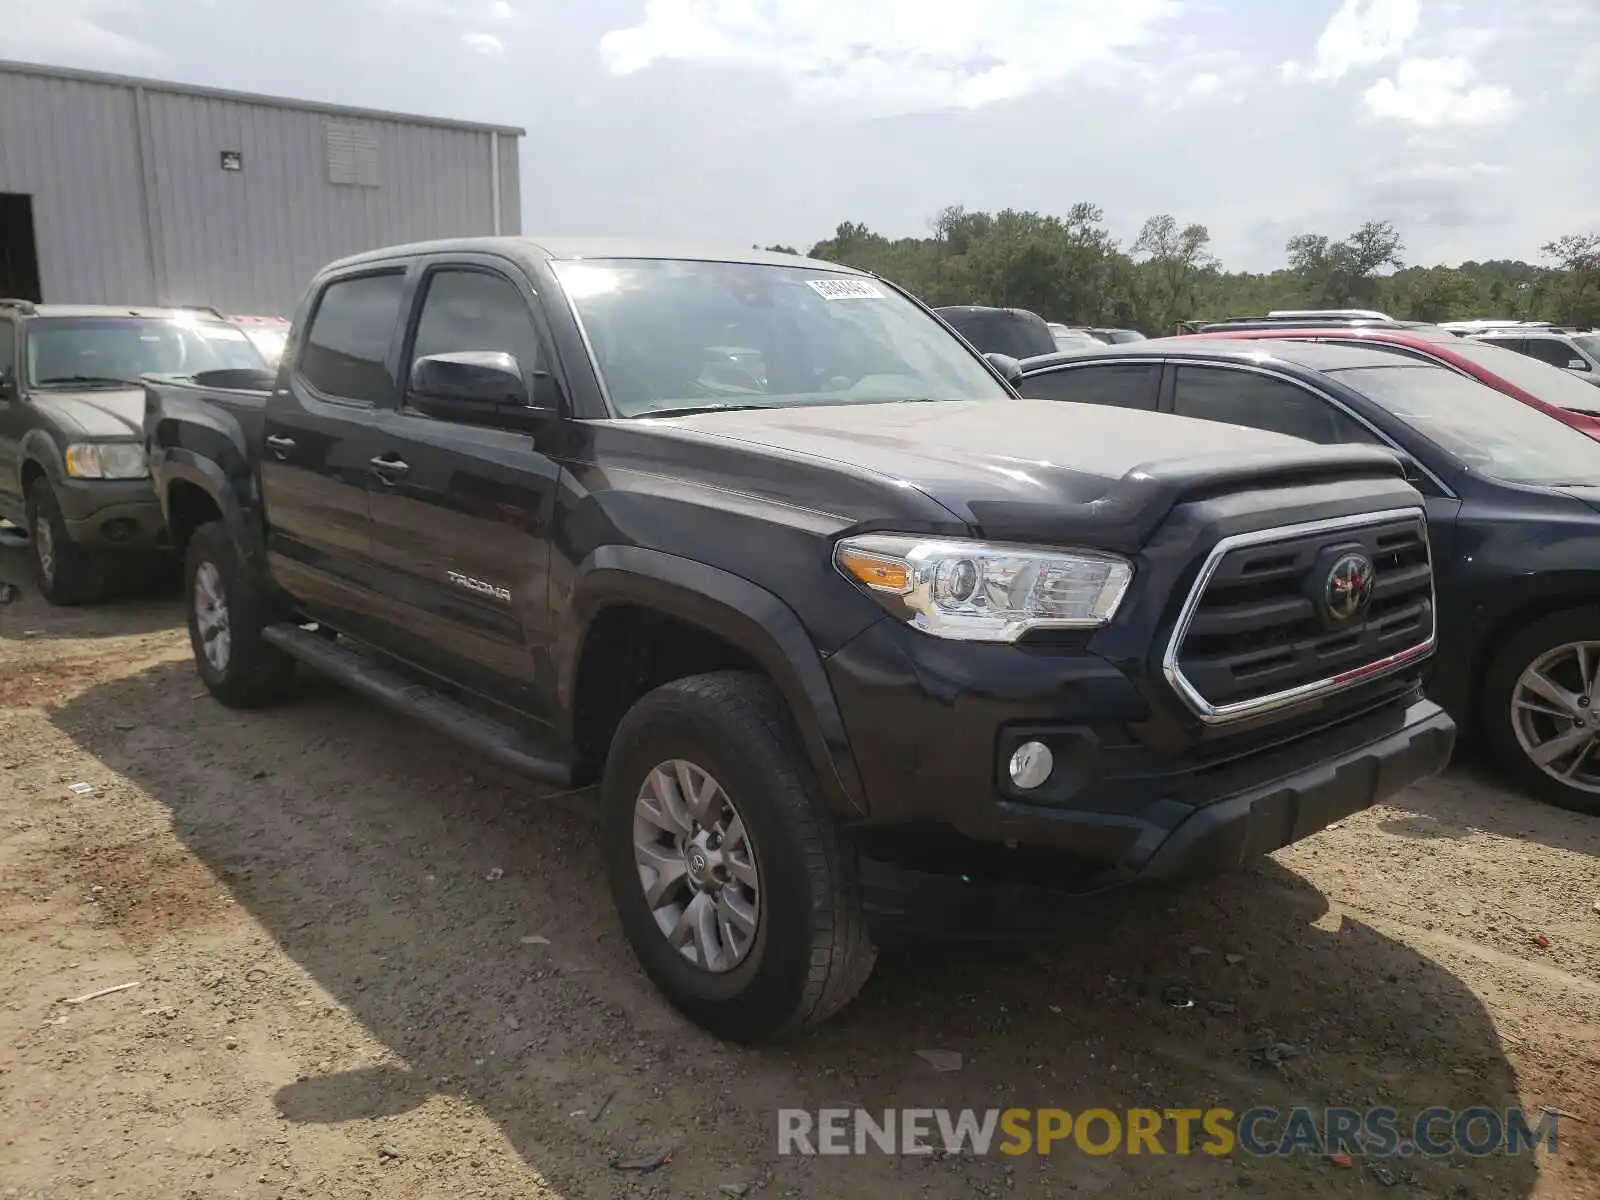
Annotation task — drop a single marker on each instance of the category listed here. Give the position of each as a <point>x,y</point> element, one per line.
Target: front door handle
<point>282,447</point>
<point>390,470</point>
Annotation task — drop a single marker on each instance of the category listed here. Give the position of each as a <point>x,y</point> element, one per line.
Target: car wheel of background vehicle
<point>729,874</point>
<point>226,616</point>
<point>66,574</point>
<point>1541,710</point>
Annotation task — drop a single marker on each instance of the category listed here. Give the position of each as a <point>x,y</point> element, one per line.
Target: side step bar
<point>497,741</point>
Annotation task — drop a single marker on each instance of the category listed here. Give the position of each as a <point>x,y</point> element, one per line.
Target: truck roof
<point>30,309</point>
<point>563,248</point>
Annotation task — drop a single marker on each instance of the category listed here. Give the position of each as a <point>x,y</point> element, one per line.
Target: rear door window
<point>1262,402</point>
<point>1122,385</point>
<point>347,347</point>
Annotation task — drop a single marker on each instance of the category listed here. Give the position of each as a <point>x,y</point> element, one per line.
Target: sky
<point>1471,124</point>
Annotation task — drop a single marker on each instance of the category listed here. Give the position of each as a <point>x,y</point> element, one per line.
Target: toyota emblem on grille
<point>1349,587</point>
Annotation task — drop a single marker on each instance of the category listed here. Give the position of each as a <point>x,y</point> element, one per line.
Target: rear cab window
<point>346,349</point>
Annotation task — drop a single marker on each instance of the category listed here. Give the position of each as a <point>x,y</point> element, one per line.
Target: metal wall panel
<point>246,240</point>
<point>73,146</point>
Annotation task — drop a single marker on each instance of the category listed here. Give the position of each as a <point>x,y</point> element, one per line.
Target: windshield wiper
<point>101,379</point>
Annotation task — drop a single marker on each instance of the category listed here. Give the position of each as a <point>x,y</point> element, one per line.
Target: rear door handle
<point>281,446</point>
<point>389,470</point>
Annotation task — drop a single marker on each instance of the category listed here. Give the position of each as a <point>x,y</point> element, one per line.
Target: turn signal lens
<point>876,572</point>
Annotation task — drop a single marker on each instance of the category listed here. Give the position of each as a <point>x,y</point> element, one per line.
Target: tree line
<point>1069,268</point>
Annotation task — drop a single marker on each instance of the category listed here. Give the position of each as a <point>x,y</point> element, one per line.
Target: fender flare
<point>735,610</point>
<point>40,446</point>
<point>179,465</point>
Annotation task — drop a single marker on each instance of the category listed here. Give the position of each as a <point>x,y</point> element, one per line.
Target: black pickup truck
<point>789,570</point>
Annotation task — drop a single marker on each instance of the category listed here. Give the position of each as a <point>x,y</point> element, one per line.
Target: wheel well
<point>31,470</point>
<point>1507,626</point>
<point>188,508</point>
<point>627,652</point>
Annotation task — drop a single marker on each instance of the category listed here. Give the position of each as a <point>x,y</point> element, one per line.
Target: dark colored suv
<point>1014,332</point>
<point>72,462</point>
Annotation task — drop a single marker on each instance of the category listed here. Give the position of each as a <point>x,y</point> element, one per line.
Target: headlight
<point>985,591</point>
<point>106,460</point>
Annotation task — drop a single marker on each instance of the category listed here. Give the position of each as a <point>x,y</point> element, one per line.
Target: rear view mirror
<point>1010,369</point>
<point>1577,364</point>
<point>478,387</point>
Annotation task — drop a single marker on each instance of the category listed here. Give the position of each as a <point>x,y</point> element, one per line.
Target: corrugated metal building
<point>116,190</point>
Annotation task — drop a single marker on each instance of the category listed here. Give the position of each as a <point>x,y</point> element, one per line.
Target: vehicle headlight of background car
<point>106,460</point>
<point>984,591</point>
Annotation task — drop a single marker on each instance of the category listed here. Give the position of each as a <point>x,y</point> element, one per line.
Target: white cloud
<point>1208,83</point>
<point>1362,33</point>
<point>894,55</point>
<point>484,43</point>
<point>1584,79</point>
<point>37,29</point>
<point>501,10</point>
<point>1433,93</point>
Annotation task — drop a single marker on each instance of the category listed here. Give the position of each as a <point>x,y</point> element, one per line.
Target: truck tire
<point>1541,701</point>
<point>227,612</point>
<point>754,930</point>
<point>67,574</point>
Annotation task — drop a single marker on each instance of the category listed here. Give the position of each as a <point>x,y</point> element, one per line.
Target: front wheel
<point>1542,709</point>
<point>728,872</point>
<point>66,573</point>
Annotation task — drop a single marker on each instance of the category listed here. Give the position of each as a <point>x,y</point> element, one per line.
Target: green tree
<point>1174,259</point>
<point>1576,296</point>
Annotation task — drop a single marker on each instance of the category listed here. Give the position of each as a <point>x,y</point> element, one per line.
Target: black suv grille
<point>1302,611</point>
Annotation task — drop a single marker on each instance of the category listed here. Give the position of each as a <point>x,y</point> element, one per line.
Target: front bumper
<point>1134,797</point>
<point>111,513</point>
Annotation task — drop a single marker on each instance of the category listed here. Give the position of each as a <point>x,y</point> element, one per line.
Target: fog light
<point>1031,765</point>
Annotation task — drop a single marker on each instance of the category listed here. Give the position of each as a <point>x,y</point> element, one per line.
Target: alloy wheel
<point>1555,713</point>
<point>697,865</point>
<point>211,616</point>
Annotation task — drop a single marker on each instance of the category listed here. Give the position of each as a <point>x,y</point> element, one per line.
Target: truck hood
<point>1043,468</point>
<point>106,413</point>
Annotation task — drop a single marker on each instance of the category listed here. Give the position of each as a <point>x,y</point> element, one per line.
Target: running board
<point>498,741</point>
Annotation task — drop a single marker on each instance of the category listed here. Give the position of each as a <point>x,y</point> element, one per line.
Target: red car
<point>1549,389</point>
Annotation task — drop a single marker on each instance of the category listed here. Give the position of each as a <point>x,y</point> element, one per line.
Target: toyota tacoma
<point>760,548</point>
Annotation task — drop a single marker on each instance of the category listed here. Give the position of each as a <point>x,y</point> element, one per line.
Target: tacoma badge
<point>477,585</point>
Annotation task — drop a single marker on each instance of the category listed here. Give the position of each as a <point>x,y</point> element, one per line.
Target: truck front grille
<point>1283,616</point>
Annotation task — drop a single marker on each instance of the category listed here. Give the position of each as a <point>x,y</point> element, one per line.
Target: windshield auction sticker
<point>845,289</point>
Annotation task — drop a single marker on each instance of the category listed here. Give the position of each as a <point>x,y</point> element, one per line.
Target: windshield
<point>1550,384</point>
<point>1589,343</point>
<point>1485,430</point>
<point>669,335</point>
<point>110,350</point>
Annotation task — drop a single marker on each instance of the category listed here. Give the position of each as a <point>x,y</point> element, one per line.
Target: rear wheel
<point>1542,709</point>
<point>227,614</point>
<point>728,872</point>
<point>66,573</point>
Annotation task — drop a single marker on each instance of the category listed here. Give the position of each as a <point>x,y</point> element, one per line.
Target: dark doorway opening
<point>19,255</point>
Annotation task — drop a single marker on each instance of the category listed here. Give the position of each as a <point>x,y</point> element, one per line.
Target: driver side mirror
<point>1577,364</point>
<point>1010,369</point>
<point>480,387</point>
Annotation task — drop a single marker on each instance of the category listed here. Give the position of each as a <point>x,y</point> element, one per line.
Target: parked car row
<point>846,634</point>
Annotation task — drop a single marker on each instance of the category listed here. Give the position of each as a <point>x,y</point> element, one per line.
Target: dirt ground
<point>334,921</point>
